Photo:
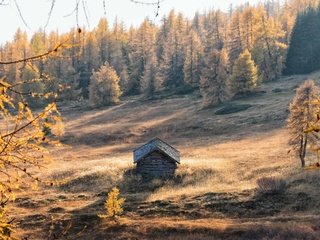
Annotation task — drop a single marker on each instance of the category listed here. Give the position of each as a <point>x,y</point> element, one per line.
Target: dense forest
<point>302,56</point>
<point>222,54</point>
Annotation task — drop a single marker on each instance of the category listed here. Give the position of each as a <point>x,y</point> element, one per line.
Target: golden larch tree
<point>104,88</point>
<point>245,74</point>
<point>113,204</point>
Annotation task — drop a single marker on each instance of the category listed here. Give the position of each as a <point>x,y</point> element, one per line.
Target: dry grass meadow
<point>213,194</point>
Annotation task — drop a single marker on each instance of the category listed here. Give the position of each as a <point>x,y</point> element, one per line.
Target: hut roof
<point>153,145</point>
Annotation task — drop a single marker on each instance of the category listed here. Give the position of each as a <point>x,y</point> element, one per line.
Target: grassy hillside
<point>213,194</point>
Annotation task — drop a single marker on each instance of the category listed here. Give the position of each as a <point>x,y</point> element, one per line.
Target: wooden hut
<point>156,159</point>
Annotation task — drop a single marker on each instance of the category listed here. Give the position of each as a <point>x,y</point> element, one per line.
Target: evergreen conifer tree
<point>303,53</point>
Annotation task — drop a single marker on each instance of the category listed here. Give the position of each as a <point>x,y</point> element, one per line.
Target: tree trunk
<point>303,148</point>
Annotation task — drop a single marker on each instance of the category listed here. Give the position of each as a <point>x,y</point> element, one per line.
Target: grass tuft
<point>271,185</point>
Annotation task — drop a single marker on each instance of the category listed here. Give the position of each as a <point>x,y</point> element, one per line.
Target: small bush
<point>232,108</point>
<point>271,185</point>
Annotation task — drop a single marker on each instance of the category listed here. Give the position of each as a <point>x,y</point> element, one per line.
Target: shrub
<point>271,185</point>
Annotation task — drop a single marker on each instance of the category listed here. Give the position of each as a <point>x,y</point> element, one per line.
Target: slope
<point>213,192</point>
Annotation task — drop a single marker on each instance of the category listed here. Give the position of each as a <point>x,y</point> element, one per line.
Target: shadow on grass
<point>151,228</point>
<point>270,209</point>
<point>262,212</point>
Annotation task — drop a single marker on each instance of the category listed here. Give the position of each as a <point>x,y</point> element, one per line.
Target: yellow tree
<point>24,135</point>
<point>104,87</point>
<point>22,141</point>
<point>244,75</point>
<point>171,65</point>
<point>235,36</point>
<point>248,26</point>
<point>268,51</point>
<point>194,59</point>
<point>214,84</point>
<point>303,117</point>
<point>150,80</point>
<point>113,204</point>
<point>141,44</point>
<point>102,34</point>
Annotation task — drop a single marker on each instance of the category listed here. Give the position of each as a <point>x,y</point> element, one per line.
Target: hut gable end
<point>156,159</point>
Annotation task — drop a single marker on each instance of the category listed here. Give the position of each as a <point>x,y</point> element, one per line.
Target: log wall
<point>156,165</point>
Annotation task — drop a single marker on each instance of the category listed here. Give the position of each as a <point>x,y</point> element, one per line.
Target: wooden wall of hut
<point>156,165</point>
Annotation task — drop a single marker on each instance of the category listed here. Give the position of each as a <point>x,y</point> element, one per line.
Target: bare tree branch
<point>158,9</point>
<point>3,3</point>
<point>147,3</point>
<point>85,11</point>
<point>33,58</point>
<point>104,7</point>
<point>20,13</point>
<point>77,12</point>
<point>50,13</point>
<point>157,3</point>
